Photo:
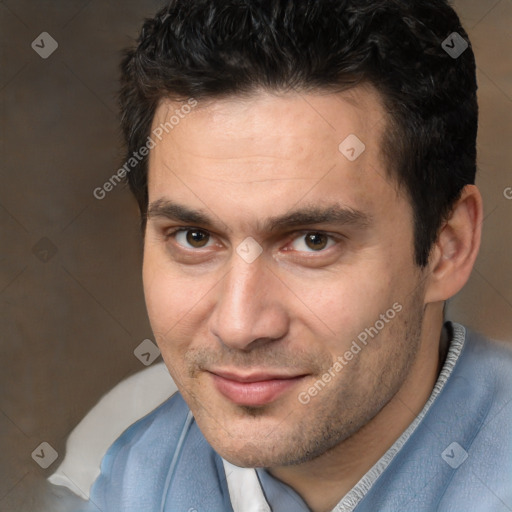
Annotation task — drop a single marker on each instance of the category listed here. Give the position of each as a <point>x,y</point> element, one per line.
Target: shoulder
<point>163,424</point>
<point>482,375</point>
<point>482,400</point>
<point>488,360</point>
<point>131,399</point>
<point>162,461</point>
<point>138,461</point>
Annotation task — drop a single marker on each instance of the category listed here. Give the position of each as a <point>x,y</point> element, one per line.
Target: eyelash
<point>297,235</point>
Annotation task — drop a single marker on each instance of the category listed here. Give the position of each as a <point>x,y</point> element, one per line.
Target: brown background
<point>72,309</point>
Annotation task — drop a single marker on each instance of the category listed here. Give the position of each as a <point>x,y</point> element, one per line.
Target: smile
<point>255,389</point>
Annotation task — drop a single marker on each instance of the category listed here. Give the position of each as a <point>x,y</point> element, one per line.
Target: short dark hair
<point>207,49</point>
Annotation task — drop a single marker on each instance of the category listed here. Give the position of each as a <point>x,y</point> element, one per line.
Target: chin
<point>265,453</point>
<point>249,456</point>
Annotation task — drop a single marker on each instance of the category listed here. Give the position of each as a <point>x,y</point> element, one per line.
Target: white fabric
<point>127,402</point>
<point>245,489</point>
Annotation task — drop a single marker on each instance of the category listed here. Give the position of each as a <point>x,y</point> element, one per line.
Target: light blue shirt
<point>456,456</point>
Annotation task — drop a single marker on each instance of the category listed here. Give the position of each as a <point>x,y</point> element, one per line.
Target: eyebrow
<point>307,215</point>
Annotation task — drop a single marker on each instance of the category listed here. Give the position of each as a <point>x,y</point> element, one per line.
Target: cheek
<point>161,294</point>
<point>177,303</point>
<point>342,304</point>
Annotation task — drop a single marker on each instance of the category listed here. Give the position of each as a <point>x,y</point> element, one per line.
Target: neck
<point>324,481</point>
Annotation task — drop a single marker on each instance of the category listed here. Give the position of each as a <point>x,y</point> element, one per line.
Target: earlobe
<point>456,248</point>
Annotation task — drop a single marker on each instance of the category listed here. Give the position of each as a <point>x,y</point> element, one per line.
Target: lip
<point>254,389</point>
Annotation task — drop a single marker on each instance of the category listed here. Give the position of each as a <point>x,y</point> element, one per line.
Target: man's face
<point>267,254</point>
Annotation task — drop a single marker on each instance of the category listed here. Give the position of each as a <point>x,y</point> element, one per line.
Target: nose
<point>248,310</point>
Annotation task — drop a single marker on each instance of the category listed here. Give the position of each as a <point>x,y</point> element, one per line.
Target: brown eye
<point>316,241</point>
<point>195,238</point>
<point>312,242</point>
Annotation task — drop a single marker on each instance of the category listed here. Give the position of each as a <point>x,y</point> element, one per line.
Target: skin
<point>298,306</point>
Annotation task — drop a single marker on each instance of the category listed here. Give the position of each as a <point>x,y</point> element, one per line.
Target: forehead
<point>271,151</point>
<point>297,120</point>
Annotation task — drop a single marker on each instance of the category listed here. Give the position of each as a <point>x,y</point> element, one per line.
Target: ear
<point>456,248</point>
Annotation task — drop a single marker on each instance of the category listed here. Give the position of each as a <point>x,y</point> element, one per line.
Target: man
<point>305,173</point>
